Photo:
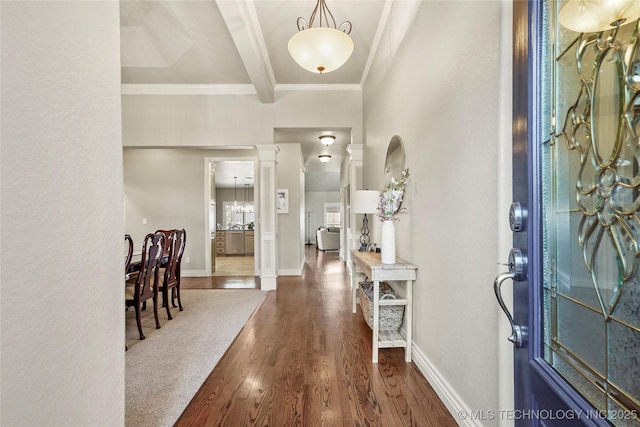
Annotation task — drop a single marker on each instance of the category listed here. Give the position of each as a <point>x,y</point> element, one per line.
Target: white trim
<point>268,283</point>
<point>289,272</point>
<point>227,89</point>
<point>194,273</point>
<point>321,87</point>
<point>207,192</point>
<point>443,389</point>
<point>187,89</point>
<point>384,17</point>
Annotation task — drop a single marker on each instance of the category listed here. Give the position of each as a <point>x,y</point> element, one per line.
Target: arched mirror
<point>395,161</point>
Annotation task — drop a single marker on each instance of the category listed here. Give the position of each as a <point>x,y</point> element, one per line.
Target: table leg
<point>376,320</point>
<point>409,320</point>
<point>354,285</point>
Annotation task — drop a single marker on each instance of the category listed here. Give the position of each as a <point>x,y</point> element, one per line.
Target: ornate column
<point>267,217</point>
<point>356,155</point>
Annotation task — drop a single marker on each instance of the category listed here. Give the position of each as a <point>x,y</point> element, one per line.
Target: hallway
<point>304,359</point>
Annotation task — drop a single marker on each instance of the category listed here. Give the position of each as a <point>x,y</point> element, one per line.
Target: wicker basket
<point>390,315</point>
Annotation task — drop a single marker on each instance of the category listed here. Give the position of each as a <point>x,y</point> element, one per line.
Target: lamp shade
<point>320,49</point>
<point>365,201</point>
<point>590,16</point>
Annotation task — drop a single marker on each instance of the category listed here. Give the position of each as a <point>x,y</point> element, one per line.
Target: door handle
<point>517,271</point>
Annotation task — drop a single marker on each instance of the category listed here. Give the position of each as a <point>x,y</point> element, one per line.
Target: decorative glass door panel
<point>590,222</point>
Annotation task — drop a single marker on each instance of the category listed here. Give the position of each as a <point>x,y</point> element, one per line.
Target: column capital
<point>356,152</point>
<point>267,152</point>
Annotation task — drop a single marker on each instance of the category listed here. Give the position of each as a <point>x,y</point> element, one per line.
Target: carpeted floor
<point>165,370</point>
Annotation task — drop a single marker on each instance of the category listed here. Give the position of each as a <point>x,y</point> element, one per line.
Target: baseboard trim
<point>457,408</point>
<point>290,272</point>
<point>195,273</point>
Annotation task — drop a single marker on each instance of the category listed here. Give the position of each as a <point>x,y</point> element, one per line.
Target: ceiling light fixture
<point>589,16</point>
<point>324,158</point>
<point>324,48</point>
<point>327,139</point>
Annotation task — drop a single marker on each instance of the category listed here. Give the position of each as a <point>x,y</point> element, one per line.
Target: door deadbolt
<point>517,216</point>
<point>518,264</point>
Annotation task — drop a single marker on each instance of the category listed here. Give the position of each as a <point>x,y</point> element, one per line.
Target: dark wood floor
<point>221,282</point>
<point>304,359</point>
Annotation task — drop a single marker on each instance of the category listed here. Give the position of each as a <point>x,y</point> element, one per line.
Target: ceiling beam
<point>243,25</point>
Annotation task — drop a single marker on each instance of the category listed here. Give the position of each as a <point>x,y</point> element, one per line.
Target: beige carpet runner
<point>164,371</point>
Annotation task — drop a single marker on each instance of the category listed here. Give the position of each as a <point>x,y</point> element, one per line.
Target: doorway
<point>231,201</point>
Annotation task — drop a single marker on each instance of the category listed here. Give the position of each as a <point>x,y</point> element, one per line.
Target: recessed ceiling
<point>227,42</point>
<point>243,44</point>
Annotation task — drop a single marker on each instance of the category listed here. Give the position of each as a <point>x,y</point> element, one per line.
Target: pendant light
<point>324,48</point>
<point>591,16</point>
<point>235,194</point>
<point>245,202</point>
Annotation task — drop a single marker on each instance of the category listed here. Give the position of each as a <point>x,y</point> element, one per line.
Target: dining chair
<point>147,281</point>
<point>171,270</point>
<point>182,237</point>
<point>167,235</point>
<point>129,255</point>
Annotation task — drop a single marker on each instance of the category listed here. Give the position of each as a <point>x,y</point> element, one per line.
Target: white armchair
<point>328,239</point>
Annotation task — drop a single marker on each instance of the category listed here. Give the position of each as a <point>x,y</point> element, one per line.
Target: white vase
<point>388,243</point>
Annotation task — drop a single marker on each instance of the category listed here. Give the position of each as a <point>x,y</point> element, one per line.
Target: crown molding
<point>186,89</point>
<point>321,87</point>
<point>214,89</point>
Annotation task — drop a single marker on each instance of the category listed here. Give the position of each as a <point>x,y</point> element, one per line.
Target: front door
<point>575,218</point>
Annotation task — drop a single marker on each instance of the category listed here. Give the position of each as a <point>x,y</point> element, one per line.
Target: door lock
<point>517,216</point>
<point>517,272</point>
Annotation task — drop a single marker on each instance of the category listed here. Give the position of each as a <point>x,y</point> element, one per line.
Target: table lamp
<point>364,202</point>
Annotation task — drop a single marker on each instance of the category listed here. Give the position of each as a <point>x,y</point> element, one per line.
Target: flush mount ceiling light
<point>327,139</point>
<point>590,16</point>
<point>324,48</point>
<point>324,158</point>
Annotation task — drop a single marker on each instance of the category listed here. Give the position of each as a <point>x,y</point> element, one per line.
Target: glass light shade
<point>365,201</point>
<point>327,139</point>
<point>324,158</point>
<point>590,16</point>
<point>320,49</point>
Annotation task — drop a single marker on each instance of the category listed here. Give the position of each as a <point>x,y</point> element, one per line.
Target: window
<point>332,214</point>
<point>237,214</point>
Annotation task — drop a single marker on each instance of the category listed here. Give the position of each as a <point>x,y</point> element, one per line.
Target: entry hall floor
<point>304,359</point>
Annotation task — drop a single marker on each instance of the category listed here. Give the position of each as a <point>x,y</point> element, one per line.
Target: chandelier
<point>324,48</point>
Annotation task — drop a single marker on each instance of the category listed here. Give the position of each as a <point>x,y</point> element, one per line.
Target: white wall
<point>291,225</point>
<point>165,186</point>
<point>62,314</point>
<point>441,96</point>
<point>206,120</point>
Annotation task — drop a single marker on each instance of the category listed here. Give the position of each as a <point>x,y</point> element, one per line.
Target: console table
<point>369,265</point>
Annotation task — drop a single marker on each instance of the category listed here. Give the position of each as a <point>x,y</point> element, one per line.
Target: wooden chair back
<point>127,259</point>
<point>152,251</point>
<point>171,277</point>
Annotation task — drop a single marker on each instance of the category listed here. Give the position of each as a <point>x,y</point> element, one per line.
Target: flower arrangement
<point>391,198</point>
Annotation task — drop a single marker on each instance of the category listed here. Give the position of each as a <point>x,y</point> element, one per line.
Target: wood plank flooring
<point>304,359</point>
